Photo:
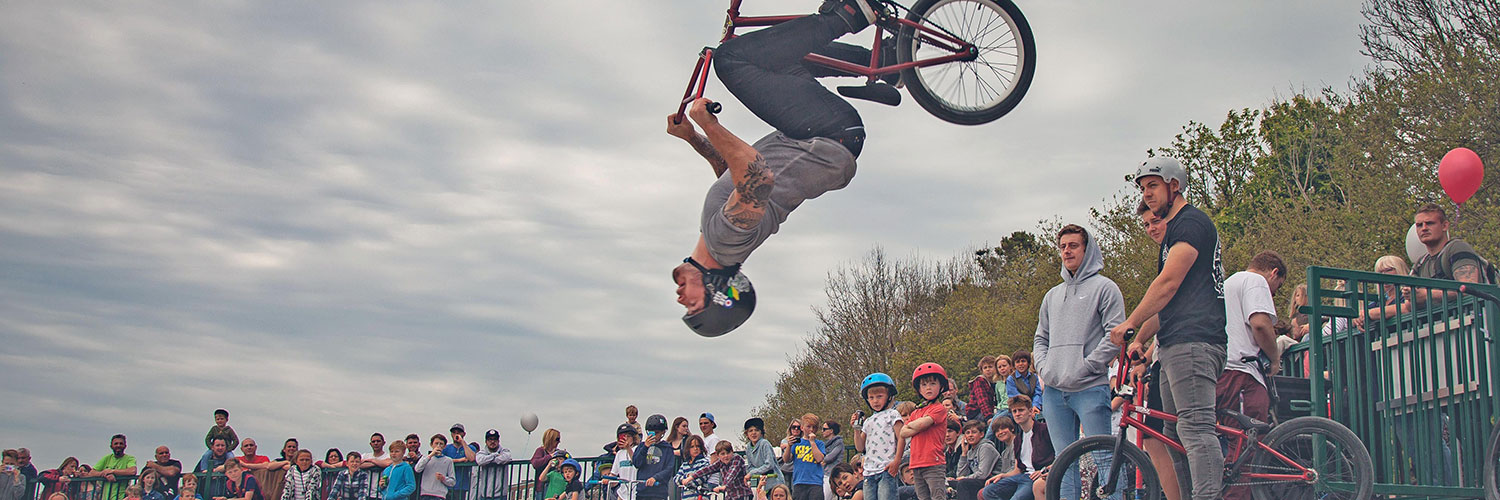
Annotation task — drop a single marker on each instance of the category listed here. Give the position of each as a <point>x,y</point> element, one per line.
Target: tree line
<point>1327,178</point>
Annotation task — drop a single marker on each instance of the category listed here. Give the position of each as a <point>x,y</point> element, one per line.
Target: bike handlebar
<point>1477,293</point>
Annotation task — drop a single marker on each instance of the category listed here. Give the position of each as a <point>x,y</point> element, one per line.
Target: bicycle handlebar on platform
<point>1475,292</point>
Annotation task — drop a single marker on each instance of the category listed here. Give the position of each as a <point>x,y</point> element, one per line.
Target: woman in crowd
<point>760,456</point>
<point>332,459</point>
<point>551,438</point>
<point>59,480</point>
<point>676,435</point>
<point>1294,312</point>
<point>694,458</point>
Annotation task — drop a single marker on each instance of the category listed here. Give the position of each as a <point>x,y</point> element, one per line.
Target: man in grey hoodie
<point>1072,347</point>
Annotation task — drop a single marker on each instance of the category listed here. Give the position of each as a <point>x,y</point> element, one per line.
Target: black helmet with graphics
<point>729,299</point>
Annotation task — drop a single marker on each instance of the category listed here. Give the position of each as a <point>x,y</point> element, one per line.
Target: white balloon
<point>1415,250</point>
<point>528,422</point>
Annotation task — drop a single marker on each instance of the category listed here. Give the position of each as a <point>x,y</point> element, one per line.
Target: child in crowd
<point>926,427</point>
<point>436,469</point>
<point>731,467</point>
<point>905,409</point>
<point>1033,455</point>
<point>562,483</point>
<point>552,474</point>
<point>760,456</point>
<point>879,437</point>
<point>352,483</point>
<point>1003,370</point>
<point>982,392</point>
<point>806,456</point>
<point>397,480</point>
<point>624,467</point>
<point>694,459</point>
<point>221,429</point>
<point>1024,382</point>
<point>654,463</point>
<point>777,492</point>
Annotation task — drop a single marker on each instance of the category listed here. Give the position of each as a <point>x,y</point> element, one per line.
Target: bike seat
<point>1246,422</point>
<point>879,92</point>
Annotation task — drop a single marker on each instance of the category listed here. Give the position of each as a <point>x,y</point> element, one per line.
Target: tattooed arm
<point>752,180</point>
<point>685,131</point>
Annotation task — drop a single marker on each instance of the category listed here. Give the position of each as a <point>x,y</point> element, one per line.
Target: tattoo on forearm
<point>707,151</point>
<point>753,193</point>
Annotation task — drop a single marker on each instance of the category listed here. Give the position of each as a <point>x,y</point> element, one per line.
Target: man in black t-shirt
<point>1184,310</point>
<point>1447,258</point>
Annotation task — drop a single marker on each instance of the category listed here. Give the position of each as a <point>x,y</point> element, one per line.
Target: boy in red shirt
<point>926,427</point>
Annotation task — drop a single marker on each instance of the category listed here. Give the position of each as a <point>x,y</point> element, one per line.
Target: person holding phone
<point>12,485</point>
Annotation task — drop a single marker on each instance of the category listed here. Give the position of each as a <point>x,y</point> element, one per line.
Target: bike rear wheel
<point>969,92</point>
<point>1137,478</point>
<point>1492,466</point>
<point>1343,465</point>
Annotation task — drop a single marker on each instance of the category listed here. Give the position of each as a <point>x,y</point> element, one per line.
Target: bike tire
<point>1346,472</point>
<point>1136,463</point>
<point>1492,466</point>
<point>1006,59</point>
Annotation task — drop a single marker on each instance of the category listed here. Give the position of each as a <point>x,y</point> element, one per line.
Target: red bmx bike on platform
<point>965,61</point>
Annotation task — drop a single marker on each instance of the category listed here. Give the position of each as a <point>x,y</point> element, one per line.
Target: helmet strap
<point>727,271</point>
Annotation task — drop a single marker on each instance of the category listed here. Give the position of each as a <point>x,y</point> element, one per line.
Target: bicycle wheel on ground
<point>976,91</point>
<point>1492,466</point>
<point>1342,464</point>
<point>1136,479</point>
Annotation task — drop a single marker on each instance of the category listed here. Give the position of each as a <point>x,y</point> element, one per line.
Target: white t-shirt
<point>1025,452</point>
<point>624,469</point>
<point>709,442</point>
<point>880,440</point>
<point>1245,294</point>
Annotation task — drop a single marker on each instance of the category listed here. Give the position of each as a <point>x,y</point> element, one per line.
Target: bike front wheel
<point>975,91</point>
<point>1341,462</point>
<point>1089,456</point>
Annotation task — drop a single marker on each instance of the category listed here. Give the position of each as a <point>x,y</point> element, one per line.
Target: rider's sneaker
<point>858,14</point>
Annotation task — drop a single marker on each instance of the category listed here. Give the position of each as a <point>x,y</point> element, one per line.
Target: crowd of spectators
<point>995,439</point>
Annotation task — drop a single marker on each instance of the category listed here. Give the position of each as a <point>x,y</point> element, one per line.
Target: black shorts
<point>1153,396</point>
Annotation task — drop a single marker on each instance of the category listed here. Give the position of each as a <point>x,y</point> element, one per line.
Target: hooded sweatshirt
<point>1072,349</point>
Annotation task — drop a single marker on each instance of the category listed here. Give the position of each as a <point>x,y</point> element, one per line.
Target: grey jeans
<point>1190,373</point>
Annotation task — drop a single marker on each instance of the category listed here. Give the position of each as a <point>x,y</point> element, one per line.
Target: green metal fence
<point>1417,386</point>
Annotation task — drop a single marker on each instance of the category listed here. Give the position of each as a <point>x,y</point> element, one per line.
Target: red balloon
<point>1460,173</point>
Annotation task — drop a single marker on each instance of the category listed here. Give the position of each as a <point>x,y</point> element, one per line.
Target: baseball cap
<point>626,429</point>
<point>492,434</point>
<point>710,418</point>
<point>457,427</point>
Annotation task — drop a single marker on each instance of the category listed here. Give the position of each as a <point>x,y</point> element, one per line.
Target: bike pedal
<point>879,92</point>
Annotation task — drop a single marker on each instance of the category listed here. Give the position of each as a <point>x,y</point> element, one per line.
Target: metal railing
<point>1417,386</point>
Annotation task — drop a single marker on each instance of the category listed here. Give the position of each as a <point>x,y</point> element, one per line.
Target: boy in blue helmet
<point>879,437</point>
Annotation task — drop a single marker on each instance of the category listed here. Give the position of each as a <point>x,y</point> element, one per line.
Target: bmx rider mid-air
<point>818,136</point>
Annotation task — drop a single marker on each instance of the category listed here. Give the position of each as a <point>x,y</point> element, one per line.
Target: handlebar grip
<point>714,107</point>
<point>1475,292</point>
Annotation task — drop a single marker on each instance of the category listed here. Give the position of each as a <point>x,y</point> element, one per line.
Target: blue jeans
<point>881,486</point>
<point>1066,411</point>
<point>1017,487</point>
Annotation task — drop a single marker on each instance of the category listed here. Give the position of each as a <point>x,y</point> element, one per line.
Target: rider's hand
<point>683,130</point>
<point>1117,334</point>
<point>1136,350</point>
<point>698,111</point>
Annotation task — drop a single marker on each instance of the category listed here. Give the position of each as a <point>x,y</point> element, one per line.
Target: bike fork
<point>1112,479</point>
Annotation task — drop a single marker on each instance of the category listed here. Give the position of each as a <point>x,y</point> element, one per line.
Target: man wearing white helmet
<point>1184,310</point>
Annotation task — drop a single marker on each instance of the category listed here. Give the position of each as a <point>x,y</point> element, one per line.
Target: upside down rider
<point>818,136</point>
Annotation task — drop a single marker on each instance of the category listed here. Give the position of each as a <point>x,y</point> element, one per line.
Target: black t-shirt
<point>1455,254</point>
<point>1196,311</point>
<point>166,485</point>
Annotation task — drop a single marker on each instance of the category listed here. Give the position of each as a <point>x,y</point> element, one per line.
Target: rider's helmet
<point>657,423</point>
<point>729,299</point>
<point>875,379</point>
<point>1168,168</point>
<point>929,370</point>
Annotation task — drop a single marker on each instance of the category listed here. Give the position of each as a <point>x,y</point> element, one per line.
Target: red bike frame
<point>961,50</point>
<point>1133,415</point>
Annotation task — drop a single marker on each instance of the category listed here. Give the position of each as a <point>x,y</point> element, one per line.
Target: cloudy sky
<point>334,218</point>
